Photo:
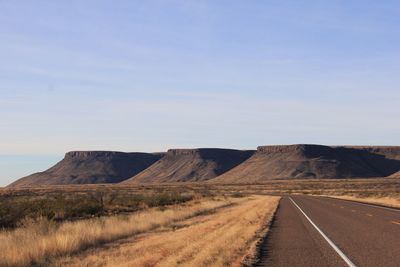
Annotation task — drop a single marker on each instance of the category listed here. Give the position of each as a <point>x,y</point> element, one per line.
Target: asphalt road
<point>336,233</point>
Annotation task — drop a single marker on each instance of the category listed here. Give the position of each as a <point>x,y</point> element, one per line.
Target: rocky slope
<point>184,165</point>
<point>314,161</point>
<point>91,167</point>
<point>395,175</point>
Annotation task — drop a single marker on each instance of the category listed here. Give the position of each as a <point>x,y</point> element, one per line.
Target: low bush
<point>71,206</point>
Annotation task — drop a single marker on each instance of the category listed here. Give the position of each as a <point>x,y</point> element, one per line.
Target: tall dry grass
<point>220,239</point>
<point>38,240</point>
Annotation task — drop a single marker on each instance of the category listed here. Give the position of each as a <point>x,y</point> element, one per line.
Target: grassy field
<point>80,202</point>
<point>360,187</point>
<point>224,238</point>
<point>209,224</point>
<point>43,239</point>
<point>59,203</point>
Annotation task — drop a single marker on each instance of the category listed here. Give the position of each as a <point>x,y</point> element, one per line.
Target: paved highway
<point>318,231</point>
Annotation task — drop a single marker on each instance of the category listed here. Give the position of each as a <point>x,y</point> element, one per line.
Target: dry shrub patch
<point>72,206</point>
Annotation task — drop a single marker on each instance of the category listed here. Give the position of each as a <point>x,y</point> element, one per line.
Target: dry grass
<point>385,201</point>
<point>40,240</point>
<point>220,239</point>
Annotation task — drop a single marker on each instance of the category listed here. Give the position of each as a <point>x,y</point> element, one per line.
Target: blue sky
<point>152,75</point>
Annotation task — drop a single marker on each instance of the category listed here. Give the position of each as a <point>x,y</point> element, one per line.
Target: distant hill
<point>314,161</point>
<point>91,167</point>
<point>184,165</point>
<point>390,152</point>
<point>221,165</point>
<point>395,175</point>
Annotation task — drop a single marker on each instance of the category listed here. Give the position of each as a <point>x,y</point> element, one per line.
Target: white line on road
<point>338,251</point>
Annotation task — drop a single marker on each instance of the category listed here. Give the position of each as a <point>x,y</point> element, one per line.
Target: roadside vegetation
<point>389,201</point>
<point>225,238</point>
<point>38,240</point>
<point>371,187</point>
<point>58,206</point>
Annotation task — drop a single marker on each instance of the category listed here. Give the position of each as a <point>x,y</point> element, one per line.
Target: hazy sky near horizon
<point>152,75</point>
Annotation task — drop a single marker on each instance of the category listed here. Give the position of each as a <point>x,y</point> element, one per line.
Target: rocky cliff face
<point>91,167</point>
<point>185,165</point>
<point>314,161</point>
<point>82,155</point>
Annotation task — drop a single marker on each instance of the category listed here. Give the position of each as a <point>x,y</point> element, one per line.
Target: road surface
<point>318,231</point>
